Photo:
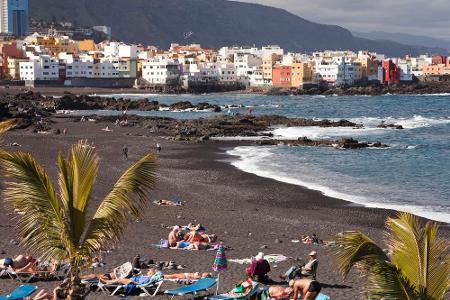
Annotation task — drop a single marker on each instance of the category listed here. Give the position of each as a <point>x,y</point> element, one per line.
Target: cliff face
<point>212,23</point>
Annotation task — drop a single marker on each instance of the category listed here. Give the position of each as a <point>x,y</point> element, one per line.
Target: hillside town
<point>57,58</point>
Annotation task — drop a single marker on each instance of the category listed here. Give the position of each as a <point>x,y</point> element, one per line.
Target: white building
<point>244,63</point>
<point>406,73</point>
<point>256,77</point>
<point>43,67</point>
<point>337,72</point>
<point>128,51</point>
<point>161,71</point>
<point>271,49</point>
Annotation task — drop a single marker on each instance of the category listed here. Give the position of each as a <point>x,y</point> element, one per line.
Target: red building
<point>391,72</point>
<point>439,60</point>
<point>281,76</point>
<point>9,50</point>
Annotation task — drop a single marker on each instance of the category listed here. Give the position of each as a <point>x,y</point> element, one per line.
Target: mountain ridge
<point>405,38</point>
<point>213,23</point>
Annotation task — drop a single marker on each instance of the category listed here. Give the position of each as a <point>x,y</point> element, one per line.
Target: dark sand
<point>244,210</point>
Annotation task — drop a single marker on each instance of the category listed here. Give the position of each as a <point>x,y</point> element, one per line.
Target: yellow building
<point>268,64</point>
<point>57,45</point>
<point>86,45</point>
<point>369,68</point>
<point>301,73</point>
<point>13,67</point>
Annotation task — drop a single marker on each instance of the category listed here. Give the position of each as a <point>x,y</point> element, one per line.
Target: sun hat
<point>259,256</point>
<point>313,253</point>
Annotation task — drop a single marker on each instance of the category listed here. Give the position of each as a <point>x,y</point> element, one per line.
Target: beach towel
<point>271,258</point>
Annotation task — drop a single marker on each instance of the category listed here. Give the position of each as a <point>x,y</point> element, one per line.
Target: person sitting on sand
<point>259,268</point>
<point>308,288</point>
<point>310,239</point>
<point>175,236</point>
<point>20,264</point>
<point>309,269</point>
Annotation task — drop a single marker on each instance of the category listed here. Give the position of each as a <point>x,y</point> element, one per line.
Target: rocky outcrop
<point>346,143</point>
<point>393,126</point>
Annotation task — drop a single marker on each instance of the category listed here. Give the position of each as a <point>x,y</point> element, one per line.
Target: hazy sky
<point>424,17</point>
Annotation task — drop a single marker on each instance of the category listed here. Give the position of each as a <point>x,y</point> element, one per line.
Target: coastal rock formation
<point>345,143</point>
<point>393,126</point>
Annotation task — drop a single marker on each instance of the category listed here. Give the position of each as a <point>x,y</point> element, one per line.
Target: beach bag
<point>164,244</point>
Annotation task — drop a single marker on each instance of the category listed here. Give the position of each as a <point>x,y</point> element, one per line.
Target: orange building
<point>86,45</point>
<point>282,76</point>
<point>301,73</point>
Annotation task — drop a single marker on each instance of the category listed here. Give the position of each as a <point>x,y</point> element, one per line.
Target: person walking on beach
<point>158,147</point>
<point>125,152</point>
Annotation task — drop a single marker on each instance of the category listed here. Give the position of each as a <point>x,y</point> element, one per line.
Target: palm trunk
<point>75,290</point>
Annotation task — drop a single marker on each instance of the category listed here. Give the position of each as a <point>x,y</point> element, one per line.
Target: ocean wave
<point>417,121</point>
<point>315,132</point>
<point>249,160</point>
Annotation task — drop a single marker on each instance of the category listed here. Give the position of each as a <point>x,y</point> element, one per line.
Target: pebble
<point>264,247</point>
<point>277,241</point>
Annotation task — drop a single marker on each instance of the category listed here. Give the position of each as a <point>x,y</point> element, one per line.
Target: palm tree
<point>56,225</point>
<point>416,265</point>
<point>5,126</point>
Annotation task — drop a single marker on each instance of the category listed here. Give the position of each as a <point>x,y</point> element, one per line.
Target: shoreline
<point>419,211</point>
<point>416,88</point>
<point>249,213</point>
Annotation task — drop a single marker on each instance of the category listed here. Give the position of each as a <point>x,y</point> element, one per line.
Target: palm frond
<point>356,248</point>
<point>29,190</point>
<point>127,199</point>
<point>420,255</point>
<point>386,282</point>
<point>76,180</point>
<point>6,125</point>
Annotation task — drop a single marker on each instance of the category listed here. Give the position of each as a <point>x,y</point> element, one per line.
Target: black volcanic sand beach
<point>244,210</point>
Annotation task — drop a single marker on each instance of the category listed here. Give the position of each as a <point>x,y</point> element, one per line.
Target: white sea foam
<point>315,132</point>
<point>417,121</point>
<point>370,127</point>
<point>249,160</point>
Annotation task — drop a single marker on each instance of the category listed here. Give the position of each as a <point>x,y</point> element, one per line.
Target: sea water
<point>413,174</point>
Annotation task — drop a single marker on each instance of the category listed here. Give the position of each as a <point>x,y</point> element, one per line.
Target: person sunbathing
<point>154,275</point>
<point>191,246</point>
<point>107,276</point>
<point>20,264</point>
<point>168,203</point>
<point>193,236</point>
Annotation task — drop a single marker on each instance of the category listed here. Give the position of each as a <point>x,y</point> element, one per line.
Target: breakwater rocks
<point>85,102</point>
<point>417,88</point>
<point>218,126</point>
<point>345,143</point>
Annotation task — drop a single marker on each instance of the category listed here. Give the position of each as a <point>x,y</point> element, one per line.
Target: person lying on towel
<point>155,275</point>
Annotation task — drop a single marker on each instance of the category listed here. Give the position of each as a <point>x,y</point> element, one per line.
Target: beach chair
<point>146,288</point>
<point>21,292</point>
<point>237,296</point>
<point>196,288</point>
<point>24,277</point>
